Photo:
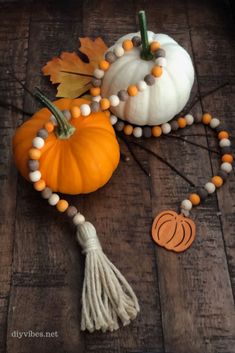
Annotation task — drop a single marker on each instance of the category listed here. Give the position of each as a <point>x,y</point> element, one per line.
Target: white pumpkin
<point>160,102</point>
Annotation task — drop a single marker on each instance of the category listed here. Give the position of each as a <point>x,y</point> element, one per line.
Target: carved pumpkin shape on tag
<point>173,231</point>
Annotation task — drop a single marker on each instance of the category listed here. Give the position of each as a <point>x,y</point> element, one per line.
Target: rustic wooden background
<point>187,300</point>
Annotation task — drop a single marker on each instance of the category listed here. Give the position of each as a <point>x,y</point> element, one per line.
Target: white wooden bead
<point>118,50</point>
<point>214,123</point>
<point>226,167</point>
<point>166,128</point>
<point>53,120</point>
<point>35,176</point>
<point>142,85</point>
<point>186,205</point>
<point>225,142</point>
<point>114,100</point>
<point>210,187</point>
<point>161,62</point>
<point>78,219</point>
<point>53,199</point>
<point>85,109</point>
<point>189,119</point>
<point>38,142</point>
<point>113,119</point>
<point>96,99</point>
<point>99,73</point>
<point>137,132</point>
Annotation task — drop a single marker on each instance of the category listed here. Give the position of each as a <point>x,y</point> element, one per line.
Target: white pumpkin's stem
<point>145,52</point>
<point>64,129</point>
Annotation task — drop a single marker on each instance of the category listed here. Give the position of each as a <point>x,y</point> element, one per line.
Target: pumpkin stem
<point>145,52</point>
<point>64,129</point>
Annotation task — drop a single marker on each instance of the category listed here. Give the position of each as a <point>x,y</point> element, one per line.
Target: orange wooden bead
<point>49,126</point>
<point>156,131</point>
<point>206,118</point>
<point>217,181</point>
<point>95,91</point>
<point>195,199</point>
<point>157,71</point>
<point>39,185</point>
<point>76,112</point>
<point>128,129</point>
<point>62,205</point>
<point>104,65</point>
<point>223,135</point>
<point>132,90</point>
<point>182,122</point>
<point>34,153</point>
<point>227,158</point>
<point>127,44</point>
<point>104,103</point>
<point>154,46</point>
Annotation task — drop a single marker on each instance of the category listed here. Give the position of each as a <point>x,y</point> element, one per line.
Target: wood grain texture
<point>187,300</point>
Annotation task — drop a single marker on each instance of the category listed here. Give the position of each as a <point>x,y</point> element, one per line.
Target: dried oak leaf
<point>71,72</point>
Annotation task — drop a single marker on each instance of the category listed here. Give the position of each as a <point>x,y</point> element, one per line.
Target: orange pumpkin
<point>81,163</point>
<point>173,231</point>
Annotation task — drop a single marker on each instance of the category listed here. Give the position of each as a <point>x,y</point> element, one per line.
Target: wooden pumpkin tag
<point>173,231</point>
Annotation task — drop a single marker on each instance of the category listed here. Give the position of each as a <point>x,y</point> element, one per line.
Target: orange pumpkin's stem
<point>145,52</point>
<point>64,129</point>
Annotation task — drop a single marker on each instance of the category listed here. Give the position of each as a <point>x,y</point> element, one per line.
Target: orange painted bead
<point>34,153</point>
<point>104,65</point>
<point>127,44</point>
<point>39,185</point>
<point>206,118</point>
<point>227,158</point>
<point>76,112</point>
<point>62,205</point>
<point>49,126</point>
<point>128,129</point>
<point>182,122</point>
<point>157,71</point>
<point>95,91</point>
<point>154,46</point>
<point>217,181</point>
<point>223,135</point>
<point>156,131</point>
<point>195,199</point>
<point>104,103</point>
<point>132,90</point>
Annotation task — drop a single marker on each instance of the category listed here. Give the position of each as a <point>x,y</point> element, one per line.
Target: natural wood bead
<point>123,95</point>
<point>156,71</point>
<point>104,65</point>
<point>33,165</point>
<point>127,45</point>
<point>128,129</point>
<point>136,40</point>
<point>71,211</point>
<point>95,91</point>
<point>181,122</point>
<point>43,133</point>
<point>174,125</point>
<point>223,135</point>
<point>149,79</point>
<point>34,153</point>
<point>195,199</point>
<point>217,181</point>
<point>147,131</point>
<point>49,126</point>
<point>95,107</point>
<point>156,131</point>
<point>110,57</point>
<point>132,90</point>
<point>39,185</point>
<point>104,103</point>
<point>46,193</point>
<point>206,118</point>
<point>96,82</point>
<point>227,158</point>
<point>62,205</point>
<point>154,46</point>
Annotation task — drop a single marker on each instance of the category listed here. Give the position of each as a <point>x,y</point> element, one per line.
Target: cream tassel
<point>106,297</point>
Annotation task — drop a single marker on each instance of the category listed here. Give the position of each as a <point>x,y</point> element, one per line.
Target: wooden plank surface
<point>187,300</point>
